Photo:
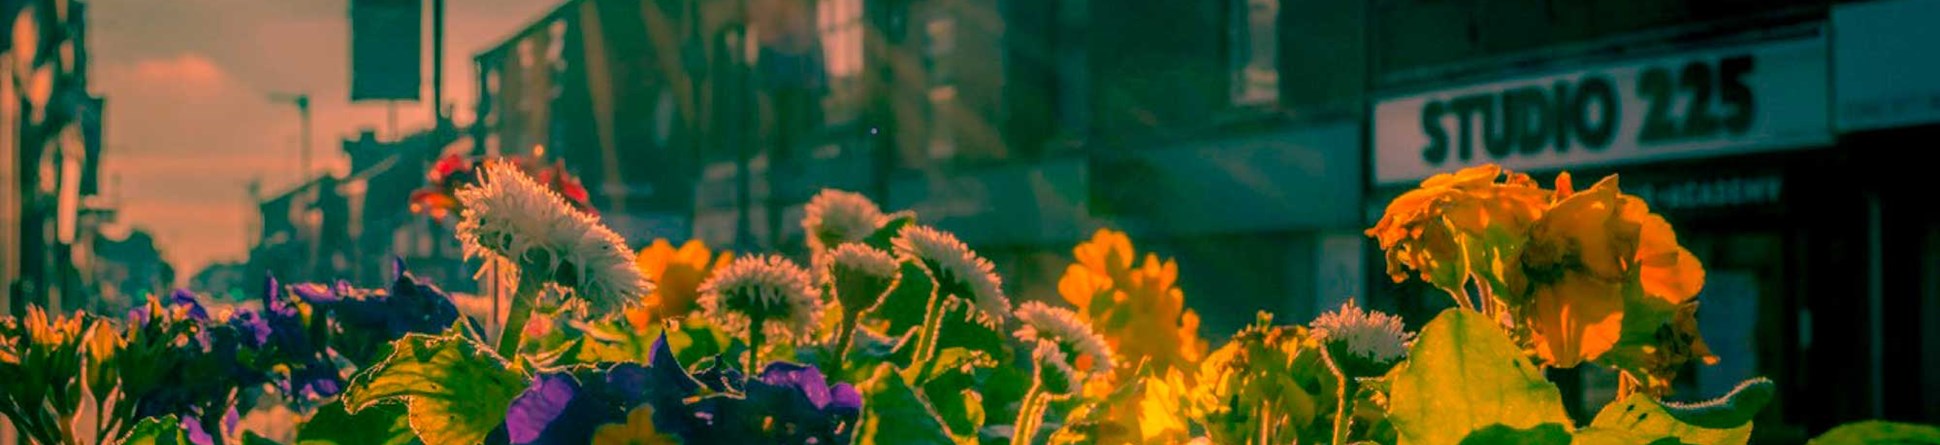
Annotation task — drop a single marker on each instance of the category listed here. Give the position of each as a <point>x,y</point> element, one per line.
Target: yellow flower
<point>1591,256</point>
<point>638,430</point>
<point>1461,225</point>
<point>679,274</point>
<point>1138,309</point>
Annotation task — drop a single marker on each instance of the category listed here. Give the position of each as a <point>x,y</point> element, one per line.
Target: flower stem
<point>932,325</point>
<point>755,337</point>
<point>845,338</point>
<point>522,306</point>
<point>1029,415</point>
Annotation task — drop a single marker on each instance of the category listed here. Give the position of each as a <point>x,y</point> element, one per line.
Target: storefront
<point>1886,88</point>
<point>1731,140</point>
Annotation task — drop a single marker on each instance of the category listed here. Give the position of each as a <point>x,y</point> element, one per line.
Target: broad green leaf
<point>897,414</point>
<point>1725,420</point>
<point>382,424</point>
<point>882,236</point>
<point>251,438</point>
<point>903,307</point>
<point>456,390</point>
<point>953,389</point>
<point>1463,375</point>
<point>165,430</point>
<point>1545,434</point>
<point>1876,431</point>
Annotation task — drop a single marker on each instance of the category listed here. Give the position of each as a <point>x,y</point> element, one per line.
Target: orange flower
<point>1139,309</point>
<point>678,274</point>
<point>1459,226</point>
<point>1594,255</point>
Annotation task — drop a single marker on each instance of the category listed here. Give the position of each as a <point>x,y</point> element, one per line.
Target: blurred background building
<point>51,203</point>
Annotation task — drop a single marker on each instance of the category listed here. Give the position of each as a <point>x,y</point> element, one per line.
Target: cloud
<point>187,74</point>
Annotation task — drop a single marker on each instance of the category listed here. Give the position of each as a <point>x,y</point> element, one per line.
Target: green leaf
<point>903,307</point>
<point>456,389</point>
<point>953,389</point>
<point>1545,434</point>
<point>165,430</point>
<point>1725,420</point>
<point>1463,375</point>
<point>383,424</point>
<point>1876,431</point>
<point>897,414</point>
<point>251,438</point>
<point>882,237</point>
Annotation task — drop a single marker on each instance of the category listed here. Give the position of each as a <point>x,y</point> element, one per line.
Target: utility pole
<point>437,68</point>
<point>302,102</point>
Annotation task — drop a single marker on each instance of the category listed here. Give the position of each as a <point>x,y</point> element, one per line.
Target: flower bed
<point>897,332</point>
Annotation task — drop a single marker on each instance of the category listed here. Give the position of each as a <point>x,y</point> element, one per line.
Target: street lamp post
<point>302,102</point>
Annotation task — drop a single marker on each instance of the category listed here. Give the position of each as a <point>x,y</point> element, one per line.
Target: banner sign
<point>1738,100</point>
<point>384,49</point>
<point>1886,68</point>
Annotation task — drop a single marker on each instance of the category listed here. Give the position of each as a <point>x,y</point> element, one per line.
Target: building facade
<point>50,150</point>
<point>1728,118</point>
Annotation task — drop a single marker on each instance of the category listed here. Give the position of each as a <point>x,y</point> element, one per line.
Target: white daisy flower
<point>1054,369</point>
<point>955,265</point>
<point>834,217</point>
<point>1043,323</point>
<point>511,219</point>
<point>860,258</point>
<point>1371,335</point>
<point>767,287</point>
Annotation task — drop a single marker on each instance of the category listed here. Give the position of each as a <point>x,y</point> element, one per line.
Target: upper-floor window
<point>840,24</point>
<point>1255,50</point>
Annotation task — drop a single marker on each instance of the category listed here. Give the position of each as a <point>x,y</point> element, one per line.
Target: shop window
<point>1255,47</point>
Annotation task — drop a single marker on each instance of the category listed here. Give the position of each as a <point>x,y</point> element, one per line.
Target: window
<point>939,44</point>
<point>1255,49</point>
<point>840,24</point>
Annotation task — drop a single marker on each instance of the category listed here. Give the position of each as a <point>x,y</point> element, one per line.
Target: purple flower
<point>407,306</point>
<point>801,406</point>
<point>181,302</point>
<point>253,329</point>
<point>559,409</point>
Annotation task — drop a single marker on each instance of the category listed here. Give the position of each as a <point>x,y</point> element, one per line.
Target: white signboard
<point>1744,99</point>
<point>1886,66</point>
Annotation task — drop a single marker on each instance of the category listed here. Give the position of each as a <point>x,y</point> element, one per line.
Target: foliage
<point>898,333</point>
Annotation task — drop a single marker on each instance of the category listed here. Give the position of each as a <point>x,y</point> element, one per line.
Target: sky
<point>190,123</point>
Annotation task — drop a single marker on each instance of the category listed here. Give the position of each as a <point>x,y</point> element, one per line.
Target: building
<point>126,270</point>
<point>50,148</point>
<point>1021,126</point>
<point>351,227</point>
<point>1759,129</point>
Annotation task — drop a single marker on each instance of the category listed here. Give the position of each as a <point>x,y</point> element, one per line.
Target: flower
<point>1137,307</point>
<point>764,288</point>
<point>254,329</point>
<point>1461,225</point>
<point>1592,255</point>
<point>834,217</point>
<point>957,269</point>
<point>862,274</point>
<point>509,218</point>
<point>1054,369</point>
<point>1370,341</point>
<point>1256,385</point>
<point>408,306</point>
<point>1062,328</point>
<point>677,275</point>
<point>638,429</point>
<point>566,407</point>
<point>455,171</point>
<point>803,406</point>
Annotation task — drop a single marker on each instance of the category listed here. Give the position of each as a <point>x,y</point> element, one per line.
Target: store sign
<point>1886,68</point>
<point>1712,192</point>
<point>1745,99</point>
